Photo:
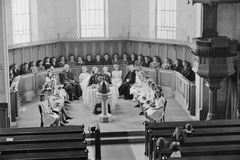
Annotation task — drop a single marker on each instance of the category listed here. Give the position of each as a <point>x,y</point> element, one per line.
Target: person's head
<point>155,59</point>
<point>52,82</point>
<point>145,79</point>
<point>125,56</point>
<point>189,127</point>
<point>158,94</point>
<point>166,60</point>
<point>94,70</point>
<point>105,69</point>
<point>185,64</point>
<point>178,62</point>
<point>49,73</point>
<point>40,63</point>
<point>66,67</point>
<point>11,76</point>
<point>106,56</point>
<point>98,57</point>
<point>131,67</point>
<point>153,85</point>
<point>175,146</point>
<point>62,58</point>
<point>71,58</point>
<point>139,57</point>
<point>33,64</point>
<point>14,66</point>
<point>25,65</point>
<point>47,60</point>
<point>89,57</point>
<point>53,60</point>
<point>79,58</point>
<point>84,69</point>
<point>49,91</point>
<point>146,58</point>
<point>158,88</point>
<point>161,143</point>
<point>42,97</point>
<point>115,56</point>
<point>116,66</point>
<point>133,56</point>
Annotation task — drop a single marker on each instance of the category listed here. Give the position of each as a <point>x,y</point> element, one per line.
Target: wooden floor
<point>124,118</point>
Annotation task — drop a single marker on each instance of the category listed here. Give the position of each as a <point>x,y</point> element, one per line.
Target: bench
<point>73,155</point>
<point>150,127</point>
<point>219,157</point>
<point>203,141</point>
<point>47,143</point>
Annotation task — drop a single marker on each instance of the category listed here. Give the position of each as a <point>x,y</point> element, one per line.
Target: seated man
<point>129,80</point>
<point>71,84</point>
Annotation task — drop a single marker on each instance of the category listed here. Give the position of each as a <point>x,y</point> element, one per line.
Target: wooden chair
<point>41,116</point>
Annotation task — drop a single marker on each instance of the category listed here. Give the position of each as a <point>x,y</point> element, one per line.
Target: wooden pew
<point>219,157</point>
<point>47,143</point>
<point>203,141</point>
<point>149,127</point>
<point>39,130</point>
<point>205,150</point>
<point>73,155</point>
<point>197,133</point>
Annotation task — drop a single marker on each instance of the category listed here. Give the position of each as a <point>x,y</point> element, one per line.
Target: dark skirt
<point>124,89</point>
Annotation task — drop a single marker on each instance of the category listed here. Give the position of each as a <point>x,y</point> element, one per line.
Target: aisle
<point>124,118</point>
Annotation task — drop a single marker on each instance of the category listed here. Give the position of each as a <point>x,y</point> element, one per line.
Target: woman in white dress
<point>49,118</point>
<point>83,79</point>
<point>116,78</point>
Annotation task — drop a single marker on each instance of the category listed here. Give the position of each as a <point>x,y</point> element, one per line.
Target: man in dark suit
<point>71,84</point>
<point>129,80</point>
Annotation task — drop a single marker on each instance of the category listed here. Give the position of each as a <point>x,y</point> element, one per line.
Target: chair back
<point>61,78</point>
<point>41,116</point>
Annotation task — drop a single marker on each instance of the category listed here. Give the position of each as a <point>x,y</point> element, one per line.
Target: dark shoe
<point>67,102</point>
<point>137,106</point>
<point>61,124</point>
<point>75,98</point>
<point>68,118</point>
<point>141,113</point>
<point>65,121</point>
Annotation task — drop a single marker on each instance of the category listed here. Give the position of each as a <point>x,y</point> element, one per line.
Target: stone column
<point>4,62</point>
<point>212,112</point>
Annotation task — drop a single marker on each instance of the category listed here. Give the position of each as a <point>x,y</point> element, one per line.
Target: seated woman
<point>186,70</point>
<point>139,60</point>
<point>132,60</point>
<point>25,69</point>
<point>49,117</point>
<point>40,66</point>
<point>98,60</point>
<point>166,64</point>
<point>93,79</point>
<point>115,59</point>
<point>106,59</point>
<point>117,76</point>
<point>124,60</point>
<point>155,63</point>
<point>135,89</point>
<point>105,71</point>
<point>57,107</point>
<point>89,60</point>
<point>146,62</point>
<point>80,62</point>
<point>156,109</point>
<point>84,79</point>
<point>47,63</point>
<point>53,62</point>
<point>15,70</point>
<point>50,77</point>
<point>62,61</point>
<point>129,80</point>
<point>178,66</point>
<point>33,67</point>
<point>71,61</point>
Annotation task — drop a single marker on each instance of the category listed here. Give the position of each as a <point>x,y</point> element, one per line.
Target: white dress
<point>117,78</point>
<point>136,88</point>
<point>157,112</point>
<point>48,116</point>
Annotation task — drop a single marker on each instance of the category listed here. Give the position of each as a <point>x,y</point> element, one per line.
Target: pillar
<point>4,62</point>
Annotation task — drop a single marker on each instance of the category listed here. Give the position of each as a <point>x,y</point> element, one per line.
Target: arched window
<point>166,19</point>
<point>21,21</point>
<point>92,18</point>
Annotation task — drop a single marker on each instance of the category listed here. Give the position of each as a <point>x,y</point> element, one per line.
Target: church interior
<point>120,79</point>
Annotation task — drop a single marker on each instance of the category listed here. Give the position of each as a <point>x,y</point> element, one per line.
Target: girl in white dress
<point>105,71</point>
<point>83,79</point>
<point>49,118</point>
<point>117,76</point>
<point>136,88</point>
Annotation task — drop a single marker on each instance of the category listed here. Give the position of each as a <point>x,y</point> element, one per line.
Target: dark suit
<point>129,80</point>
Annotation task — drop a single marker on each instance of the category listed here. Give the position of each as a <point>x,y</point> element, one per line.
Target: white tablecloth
<point>92,100</point>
